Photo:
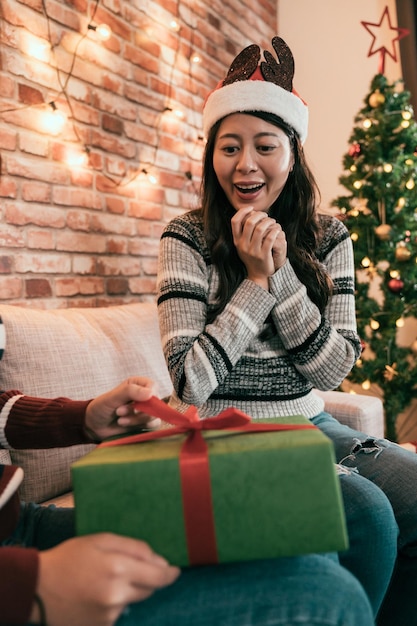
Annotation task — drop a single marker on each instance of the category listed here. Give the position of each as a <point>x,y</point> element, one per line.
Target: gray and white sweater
<point>227,362</point>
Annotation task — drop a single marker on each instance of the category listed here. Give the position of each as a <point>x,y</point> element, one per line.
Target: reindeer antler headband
<point>266,86</point>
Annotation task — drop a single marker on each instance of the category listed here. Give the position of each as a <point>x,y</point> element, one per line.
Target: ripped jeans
<point>380,483</point>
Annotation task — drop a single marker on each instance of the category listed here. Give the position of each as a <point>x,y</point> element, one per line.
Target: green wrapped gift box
<point>269,493</point>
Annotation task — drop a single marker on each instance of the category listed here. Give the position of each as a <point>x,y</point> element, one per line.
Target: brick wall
<point>87,234</point>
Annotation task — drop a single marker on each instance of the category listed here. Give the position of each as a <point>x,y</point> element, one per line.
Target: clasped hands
<point>260,243</point>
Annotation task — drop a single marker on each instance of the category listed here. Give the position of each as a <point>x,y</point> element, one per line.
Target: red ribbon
<point>194,465</point>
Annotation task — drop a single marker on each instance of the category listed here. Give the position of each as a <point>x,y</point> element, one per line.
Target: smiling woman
<point>256,305</point>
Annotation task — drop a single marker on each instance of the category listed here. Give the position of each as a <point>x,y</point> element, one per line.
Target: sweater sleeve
<point>323,347</point>
<point>19,567</point>
<point>200,355</point>
<point>27,422</point>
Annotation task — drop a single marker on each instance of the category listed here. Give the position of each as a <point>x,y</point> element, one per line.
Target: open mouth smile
<point>247,189</point>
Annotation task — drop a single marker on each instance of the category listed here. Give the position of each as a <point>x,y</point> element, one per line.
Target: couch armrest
<point>364,413</point>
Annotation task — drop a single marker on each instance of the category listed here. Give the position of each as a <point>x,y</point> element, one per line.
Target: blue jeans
<point>305,591</point>
<point>311,590</point>
<point>386,470</point>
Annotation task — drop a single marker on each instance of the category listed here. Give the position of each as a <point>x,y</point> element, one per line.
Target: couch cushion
<point>77,353</point>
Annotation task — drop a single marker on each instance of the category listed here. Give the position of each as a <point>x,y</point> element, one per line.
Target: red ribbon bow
<point>194,465</point>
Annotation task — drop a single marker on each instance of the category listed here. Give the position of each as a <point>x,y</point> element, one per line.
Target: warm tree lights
<point>380,211</point>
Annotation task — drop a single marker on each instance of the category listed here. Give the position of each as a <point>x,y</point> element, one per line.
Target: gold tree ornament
<point>383,232</point>
<point>359,205</point>
<point>376,99</point>
<point>390,372</point>
<point>402,252</point>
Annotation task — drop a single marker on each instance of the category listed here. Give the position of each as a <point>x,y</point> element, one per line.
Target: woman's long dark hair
<point>294,209</point>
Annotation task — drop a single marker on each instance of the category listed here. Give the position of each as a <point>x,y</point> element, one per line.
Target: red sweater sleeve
<point>19,567</point>
<point>27,422</point>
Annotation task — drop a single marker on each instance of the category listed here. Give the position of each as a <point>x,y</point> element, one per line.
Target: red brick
<point>115,205</point>
<point>36,192</point>
<point>29,95</point>
<point>40,240</point>
<point>10,288</point>
<point>8,188</point>
<point>8,138</point>
<point>6,264</point>
<point>38,288</point>
<point>142,285</point>
<point>117,286</point>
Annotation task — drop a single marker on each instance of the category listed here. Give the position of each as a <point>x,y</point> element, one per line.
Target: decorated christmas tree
<point>380,212</point>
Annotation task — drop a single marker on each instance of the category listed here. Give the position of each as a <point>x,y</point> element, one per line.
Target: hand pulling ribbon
<point>194,465</point>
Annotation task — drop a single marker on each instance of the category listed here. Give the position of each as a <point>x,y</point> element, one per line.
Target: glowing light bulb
<point>103,31</point>
<point>354,236</point>
<point>374,324</point>
<point>54,120</point>
<point>150,177</point>
<point>366,384</point>
<point>76,159</point>
<point>367,123</point>
<point>400,322</point>
<point>387,168</point>
<point>357,184</point>
<point>366,261</point>
<point>394,274</point>
<point>406,115</point>
<point>405,124</point>
<point>410,183</point>
<point>174,25</point>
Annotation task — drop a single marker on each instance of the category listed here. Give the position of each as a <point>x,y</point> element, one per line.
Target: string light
<point>75,158</point>
<point>54,120</point>
<point>103,31</point>
<point>374,324</point>
<point>177,112</point>
<point>150,177</point>
<point>174,25</point>
<point>36,48</point>
<point>366,384</point>
<point>354,236</point>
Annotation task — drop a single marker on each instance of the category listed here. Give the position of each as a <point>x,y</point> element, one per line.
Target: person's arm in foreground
<point>85,580</point>
<point>28,422</point>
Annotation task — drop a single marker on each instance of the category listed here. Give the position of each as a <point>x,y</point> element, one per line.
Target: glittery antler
<point>280,73</point>
<point>244,65</point>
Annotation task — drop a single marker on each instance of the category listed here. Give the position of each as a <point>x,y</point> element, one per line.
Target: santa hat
<point>251,85</point>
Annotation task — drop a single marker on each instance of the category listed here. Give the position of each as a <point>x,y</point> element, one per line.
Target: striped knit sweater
<point>27,422</point>
<point>228,362</point>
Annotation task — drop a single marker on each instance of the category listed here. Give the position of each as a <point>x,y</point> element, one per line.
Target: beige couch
<point>80,353</point>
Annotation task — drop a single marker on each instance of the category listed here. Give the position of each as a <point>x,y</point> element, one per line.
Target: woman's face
<point>252,159</point>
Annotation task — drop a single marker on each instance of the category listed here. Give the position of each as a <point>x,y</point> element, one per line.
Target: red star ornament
<point>381,33</point>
